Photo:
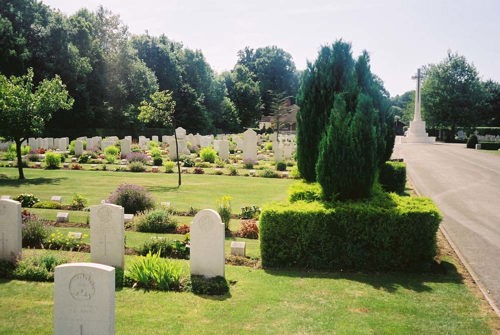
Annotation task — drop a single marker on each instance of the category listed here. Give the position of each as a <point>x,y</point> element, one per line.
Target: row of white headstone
<point>84,299</point>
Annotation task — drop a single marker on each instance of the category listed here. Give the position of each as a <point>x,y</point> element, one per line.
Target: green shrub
<point>472,141</point>
<point>268,173</point>
<point>203,165</point>
<point>281,166</point>
<point>136,167</point>
<point>198,170</point>
<point>84,159</point>
<point>48,205</point>
<point>392,176</point>
<point>208,154</point>
<point>78,202</point>
<point>34,232</point>
<point>112,150</point>
<point>294,173</point>
<point>111,159</point>
<point>209,286</point>
<point>9,156</point>
<point>248,165</point>
<point>52,160</point>
<point>233,171</point>
<point>33,157</point>
<point>156,221</point>
<point>154,272</point>
<point>188,162</point>
<point>169,166</point>
<point>269,146</point>
<point>165,248</point>
<point>27,199</point>
<point>224,210</point>
<point>132,198</point>
<point>157,161</point>
<point>385,233</point>
<point>490,146</point>
<point>59,241</point>
<point>38,268</point>
<point>155,152</point>
<point>25,150</point>
<point>304,191</point>
<point>250,212</point>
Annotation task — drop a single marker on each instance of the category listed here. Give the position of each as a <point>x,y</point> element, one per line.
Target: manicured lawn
<point>273,302</point>
<point>197,191</point>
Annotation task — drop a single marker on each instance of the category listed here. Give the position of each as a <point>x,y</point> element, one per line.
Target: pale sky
<point>400,36</point>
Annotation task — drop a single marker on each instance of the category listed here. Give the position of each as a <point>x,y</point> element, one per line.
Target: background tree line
<point>109,71</point>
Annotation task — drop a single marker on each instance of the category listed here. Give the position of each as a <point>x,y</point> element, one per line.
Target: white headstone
<point>180,132</point>
<point>223,149</point>
<point>238,248</point>
<point>78,148</point>
<point>154,138</point>
<point>10,229</point>
<point>207,244</point>
<point>125,145</point>
<point>84,299</point>
<point>107,234</point>
<point>250,146</point>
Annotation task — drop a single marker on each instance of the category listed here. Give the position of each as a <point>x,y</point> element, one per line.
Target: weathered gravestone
<point>125,147</point>
<point>207,244</point>
<point>10,230</point>
<point>84,299</point>
<point>78,148</point>
<point>107,234</point>
<point>222,148</point>
<point>250,146</point>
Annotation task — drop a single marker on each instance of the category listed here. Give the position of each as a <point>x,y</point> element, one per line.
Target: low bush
<point>84,159</point>
<point>268,146</point>
<point>294,173</point>
<point>9,155</point>
<point>157,161</point>
<point>112,150</point>
<point>392,177</point>
<point>59,241</point>
<point>198,170</point>
<point>155,221</point>
<point>182,229</point>
<point>76,167</point>
<point>268,173</point>
<point>233,171</point>
<point>52,160</point>
<point>27,199</point>
<point>169,166</point>
<point>248,165</point>
<point>203,165</point>
<point>281,166</point>
<point>209,286</point>
<point>250,212</point>
<point>188,162</point>
<point>48,205</point>
<point>78,202</point>
<point>137,157</point>
<point>136,167</point>
<point>155,273</point>
<point>165,248</point>
<point>472,141</point>
<point>248,229</point>
<point>490,145</point>
<point>110,159</point>
<point>387,232</point>
<point>37,268</point>
<point>132,198</point>
<point>304,191</point>
<point>208,154</point>
<point>33,157</point>
<point>224,210</point>
<point>34,232</point>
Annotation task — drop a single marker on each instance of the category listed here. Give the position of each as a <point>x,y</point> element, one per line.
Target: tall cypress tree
<point>331,73</point>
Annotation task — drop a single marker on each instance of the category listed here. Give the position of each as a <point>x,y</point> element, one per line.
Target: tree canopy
<point>25,110</point>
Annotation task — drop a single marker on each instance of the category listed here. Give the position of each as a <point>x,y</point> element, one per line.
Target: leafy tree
<point>273,68</point>
<point>159,110</point>
<point>452,94</point>
<point>244,92</point>
<point>491,115</point>
<point>26,109</point>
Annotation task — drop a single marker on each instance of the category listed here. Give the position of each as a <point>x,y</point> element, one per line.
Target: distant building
<point>287,117</point>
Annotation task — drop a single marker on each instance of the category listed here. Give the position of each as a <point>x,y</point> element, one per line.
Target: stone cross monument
<point>416,132</point>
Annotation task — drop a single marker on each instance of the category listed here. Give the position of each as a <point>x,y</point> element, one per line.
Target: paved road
<point>465,185</point>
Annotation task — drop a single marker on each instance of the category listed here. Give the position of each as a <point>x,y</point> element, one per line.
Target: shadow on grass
<point>443,272</point>
<point>31,181</point>
<point>159,188</point>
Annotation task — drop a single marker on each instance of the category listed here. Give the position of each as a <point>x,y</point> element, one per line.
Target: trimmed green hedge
<point>490,145</point>
<point>387,233</point>
<point>304,191</point>
<point>392,176</point>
